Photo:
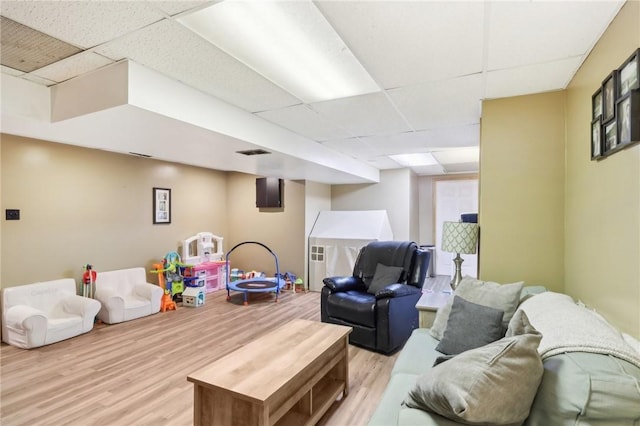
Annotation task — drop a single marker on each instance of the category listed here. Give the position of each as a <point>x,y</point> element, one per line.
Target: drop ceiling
<point>432,64</point>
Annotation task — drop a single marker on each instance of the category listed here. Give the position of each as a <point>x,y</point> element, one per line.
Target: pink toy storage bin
<point>211,275</point>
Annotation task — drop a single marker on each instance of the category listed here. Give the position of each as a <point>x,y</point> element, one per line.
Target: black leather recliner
<point>382,320</point>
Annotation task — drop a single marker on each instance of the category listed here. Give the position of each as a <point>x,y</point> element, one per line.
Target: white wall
<point>317,198</point>
<point>414,208</point>
<point>394,193</point>
<point>426,233</point>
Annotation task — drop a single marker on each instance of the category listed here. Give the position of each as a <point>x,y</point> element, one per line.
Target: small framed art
<point>596,138</point>
<point>628,74</point>
<point>610,136</point>
<point>609,97</point>
<point>161,206</point>
<point>628,118</point>
<point>596,104</point>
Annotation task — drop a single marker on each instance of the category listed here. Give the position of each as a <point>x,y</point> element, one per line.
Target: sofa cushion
<point>384,276</point>
<point>470,326</point>
<point>494,384</point>
<point>580,388</point>
<point>591,374</point>
<point>499,296</point>
<point>418,354</point>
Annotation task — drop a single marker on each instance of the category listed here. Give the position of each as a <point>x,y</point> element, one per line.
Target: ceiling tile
<point>462,168</point>
<point>455,136</point>
<point>397,41</point>
<point>82,23</point>
<point>175,7</point>
<point>400,142</point>
<point>382,162</point>
<point>176,52</point>
<point>524,33</point>
<point>531,79</point>
<point>364,115</point>
<point>443,103</point>
<point>26,49</point>
<point>435,169</point>
<point>352,147</point>
<point>306,122</point>
<point>73,66</point>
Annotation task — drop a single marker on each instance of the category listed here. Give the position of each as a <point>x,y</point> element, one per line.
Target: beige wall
<point>602,235</point>
<point>282,230</point>
<point>81,206</point>
<point>522,190</point>
<point>394,193</point>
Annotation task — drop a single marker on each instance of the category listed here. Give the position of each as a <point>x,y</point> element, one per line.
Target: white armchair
<point>125,294</point>
<point>39,314</point>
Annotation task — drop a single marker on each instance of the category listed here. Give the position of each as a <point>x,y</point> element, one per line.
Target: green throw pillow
<point>470,326</point>
<point>492,384</point>
<point>384,276</point>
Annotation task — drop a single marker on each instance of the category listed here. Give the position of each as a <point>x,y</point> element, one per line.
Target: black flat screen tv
<point>269,192</point>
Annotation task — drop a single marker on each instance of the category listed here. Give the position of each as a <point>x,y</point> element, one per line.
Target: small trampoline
<point>254,285</point>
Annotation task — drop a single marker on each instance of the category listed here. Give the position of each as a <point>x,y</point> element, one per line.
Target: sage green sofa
<point>578,386</point>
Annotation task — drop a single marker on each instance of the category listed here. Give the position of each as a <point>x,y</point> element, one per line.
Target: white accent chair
<point>42,313</point>
<point>125,294</point>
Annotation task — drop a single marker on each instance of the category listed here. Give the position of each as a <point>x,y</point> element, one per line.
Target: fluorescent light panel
<point>289,43</point>
<point>458,155</point>
<point>414,160</point>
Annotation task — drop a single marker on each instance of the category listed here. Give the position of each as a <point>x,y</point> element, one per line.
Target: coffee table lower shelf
<point>311,408</point>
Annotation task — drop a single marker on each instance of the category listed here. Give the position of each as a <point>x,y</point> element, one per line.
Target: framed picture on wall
<point>610,136</point>
<point>624,119</point>
<point>596,138</point>
<point>596,104</point>
<point>628,75</point>
<point>628,118</point>
<point>161,205</point>
<point>609,97</point>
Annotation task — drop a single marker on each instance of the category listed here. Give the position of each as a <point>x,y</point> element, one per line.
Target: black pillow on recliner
<point>384,276</point>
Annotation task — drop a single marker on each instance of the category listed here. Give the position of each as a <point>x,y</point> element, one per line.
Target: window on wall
<point>451,198</point>
<point>317,253</point>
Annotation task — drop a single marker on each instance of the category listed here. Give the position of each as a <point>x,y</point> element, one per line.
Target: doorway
<point>451,198</point>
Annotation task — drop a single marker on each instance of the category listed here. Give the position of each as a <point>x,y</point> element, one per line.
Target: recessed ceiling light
<point>413,160</point>
<point>290,43</point>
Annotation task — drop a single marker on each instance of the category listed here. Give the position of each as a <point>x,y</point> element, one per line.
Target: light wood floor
<point>134,373</point>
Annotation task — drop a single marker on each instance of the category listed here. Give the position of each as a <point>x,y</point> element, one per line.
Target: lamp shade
<point>459,237</point>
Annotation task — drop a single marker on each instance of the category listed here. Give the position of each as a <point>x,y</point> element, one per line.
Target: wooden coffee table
<point>290,376</point>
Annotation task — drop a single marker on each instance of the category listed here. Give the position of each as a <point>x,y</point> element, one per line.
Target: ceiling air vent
<point>253,152</point>
<point>25,49</point>
<point>140,155</point>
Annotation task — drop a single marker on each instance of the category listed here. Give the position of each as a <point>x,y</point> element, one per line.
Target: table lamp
<point>459,237</point>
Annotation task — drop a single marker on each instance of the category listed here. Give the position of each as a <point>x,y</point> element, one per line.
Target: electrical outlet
<point>12,214</point>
